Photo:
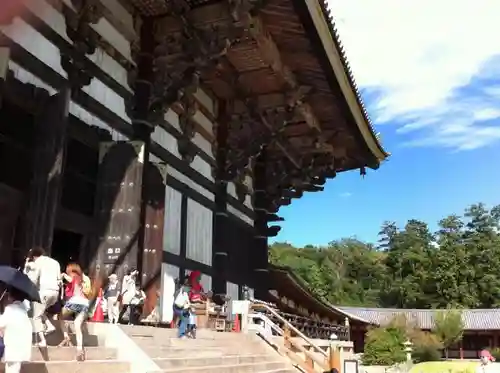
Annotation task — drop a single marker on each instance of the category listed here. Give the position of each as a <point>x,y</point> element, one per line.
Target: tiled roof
<point>474,319</point>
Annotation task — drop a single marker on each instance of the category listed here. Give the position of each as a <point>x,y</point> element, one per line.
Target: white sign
<point>240,307</point>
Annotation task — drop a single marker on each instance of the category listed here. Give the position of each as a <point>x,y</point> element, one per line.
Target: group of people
<point>67,294</point>
<point>70,295</point>
<point>126,300</point>
<point>62,295</point>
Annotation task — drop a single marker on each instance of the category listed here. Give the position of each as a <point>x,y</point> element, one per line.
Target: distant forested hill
<point>410,266</point>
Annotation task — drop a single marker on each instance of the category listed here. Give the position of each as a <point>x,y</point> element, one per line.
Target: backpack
<point>86,286</point>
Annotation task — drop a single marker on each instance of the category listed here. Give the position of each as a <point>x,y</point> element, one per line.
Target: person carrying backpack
<point>78,292</point>
<point>182,308</point>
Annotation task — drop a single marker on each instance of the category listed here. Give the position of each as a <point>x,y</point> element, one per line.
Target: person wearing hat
<point>111,296</point>
<point>486,365</point>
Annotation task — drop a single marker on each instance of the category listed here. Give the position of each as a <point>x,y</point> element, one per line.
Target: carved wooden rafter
<point>241,188</point>
<point>185,51</point>
<point>238,17</point>
<point>241,15</point>
<point>271,55</point>
<point>242,155</point>
<point>186,121</point>
<point>182,56</point>
<point>78,29</point>
<point>227,73</point>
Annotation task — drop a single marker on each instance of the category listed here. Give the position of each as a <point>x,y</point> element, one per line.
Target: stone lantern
<point>408,349</point>
<point>246,292</point>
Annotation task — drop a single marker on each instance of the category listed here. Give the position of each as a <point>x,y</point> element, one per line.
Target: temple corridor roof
<point>294,288</point>
<point>474,319</point>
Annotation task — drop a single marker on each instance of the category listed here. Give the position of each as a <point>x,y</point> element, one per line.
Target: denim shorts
<point>76,308</point>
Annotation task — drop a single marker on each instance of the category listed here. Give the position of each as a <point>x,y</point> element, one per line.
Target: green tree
<point>409,258</point>
<point>453,276</point>
<point>448,327</point>
<point>456,266</point>
<point>482,241</point>
<point>385,345</point>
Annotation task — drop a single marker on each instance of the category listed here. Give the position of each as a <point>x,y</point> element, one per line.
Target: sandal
<point>66,342</point>
<point>80,355</point>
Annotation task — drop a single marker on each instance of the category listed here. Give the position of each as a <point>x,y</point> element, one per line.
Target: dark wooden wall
<point>239,242</point>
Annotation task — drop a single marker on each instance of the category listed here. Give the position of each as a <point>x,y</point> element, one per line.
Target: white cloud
<point>345,195</point>
<point>429,64</point>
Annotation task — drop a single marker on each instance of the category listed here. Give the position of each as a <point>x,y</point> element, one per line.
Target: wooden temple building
<point>318,319</point>
<point>164,135</point>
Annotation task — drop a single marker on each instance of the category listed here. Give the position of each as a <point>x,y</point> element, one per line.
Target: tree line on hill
<point>409,267</point>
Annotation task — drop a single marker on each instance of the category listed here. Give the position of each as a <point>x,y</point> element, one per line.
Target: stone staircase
<point>211,352</point>
<point>141,349</point>
<point>53,359</point>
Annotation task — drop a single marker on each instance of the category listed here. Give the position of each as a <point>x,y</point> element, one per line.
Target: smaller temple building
<point>481,326</point>
<point>291,295</point>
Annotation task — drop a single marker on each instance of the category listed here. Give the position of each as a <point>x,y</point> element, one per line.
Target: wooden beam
<point>271,55</point>
<point>228,74</point>
<point>218,15</point>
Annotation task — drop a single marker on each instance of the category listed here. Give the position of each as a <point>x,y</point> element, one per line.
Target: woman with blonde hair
<point>78,291</point>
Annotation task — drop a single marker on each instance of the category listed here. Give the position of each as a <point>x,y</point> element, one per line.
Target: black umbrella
<point>18,280</point>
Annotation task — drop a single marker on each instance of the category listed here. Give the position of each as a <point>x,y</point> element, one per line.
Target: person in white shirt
<point>127,292</point>
<point>45,273</point>
<point>136,305</point>
<point>486,365</point>
<point>17,331</point>
<point>111,296</point>
<point>182,308</point>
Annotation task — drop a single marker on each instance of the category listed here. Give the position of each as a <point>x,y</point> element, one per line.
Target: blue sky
<point>433,92</point>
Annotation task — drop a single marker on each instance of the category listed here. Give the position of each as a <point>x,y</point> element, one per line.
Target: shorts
<point>75,308</point>
<point>56,308</point>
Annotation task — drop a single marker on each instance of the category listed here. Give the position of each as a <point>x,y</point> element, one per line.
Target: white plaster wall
<point>239,214</point>
<point>231,190</point>
<point>207,102</point>
<point>206,282</point>
<point>172,221</point>
<point>27,77</point>
<point>232,290</point>
<point>199,233</point>
<point>26,36</point>
<point>169,273</point>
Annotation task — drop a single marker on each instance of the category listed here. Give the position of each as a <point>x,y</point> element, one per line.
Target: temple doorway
<point>66,247</point>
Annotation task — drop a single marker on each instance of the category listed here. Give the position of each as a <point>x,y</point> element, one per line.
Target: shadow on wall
<point>116,240</point>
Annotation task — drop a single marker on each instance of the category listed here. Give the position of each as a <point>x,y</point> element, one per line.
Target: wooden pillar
<point>143,127</point>
<point>260,249</point>
<point>220,221</point>
<point>125,177</point>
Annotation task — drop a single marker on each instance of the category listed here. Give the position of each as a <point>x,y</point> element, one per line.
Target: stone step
<point>233,368</point>
<point>141,330</point>
<point>56,337</point>
<point>69,353</point>
<point>197,361</point>
<point>95,366</point>
<point>173,352</point>
<point>199,336</point>
<point>199,343</point>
